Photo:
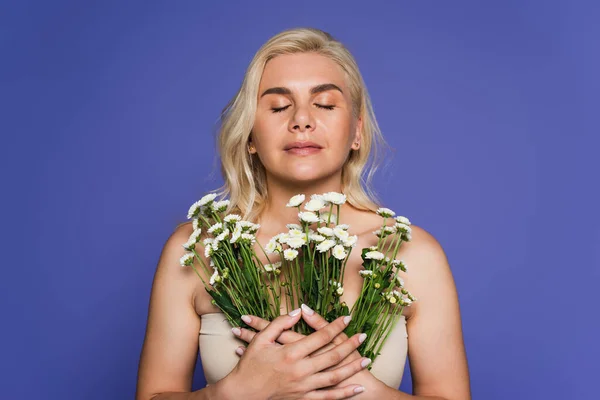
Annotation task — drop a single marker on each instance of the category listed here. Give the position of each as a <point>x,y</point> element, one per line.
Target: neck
<point>277,215</point>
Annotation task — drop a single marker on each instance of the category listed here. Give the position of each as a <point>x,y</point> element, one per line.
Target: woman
<point>302,122</point>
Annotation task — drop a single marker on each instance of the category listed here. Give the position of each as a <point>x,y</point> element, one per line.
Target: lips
<point>302,145</point>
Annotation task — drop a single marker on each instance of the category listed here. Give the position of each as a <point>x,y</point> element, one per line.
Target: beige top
<point>218,344</point>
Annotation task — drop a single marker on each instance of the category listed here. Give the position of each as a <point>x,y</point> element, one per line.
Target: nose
<point>301,121</point>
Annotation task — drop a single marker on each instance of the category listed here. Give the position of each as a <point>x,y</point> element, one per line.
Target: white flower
<point>327,217</point>
<point>272,246</point>
<point>196,223</point>
<point>194,238</point>
<point>290,254</point>
<point>186,259</point>
<point>400,264</point>
<point>248,238</point>
<point>315,237</point>
<point>365,272</point>
<point>248,226</point>
<point>197,206</point>
<point>295,201</point>
<point>222,236</point>
<point>340,291</point>
<point>237,233</point>
<point>400,281</point>
<point>220,206</point>
<point>308,216</point>
<point>232,218</point>
<point>325,245</point>
<point>385,212</point>
<point>399,227</point>
<point>339,252</point>
<point>294,226</point>
<point>403,220</point>
<point>344,226</point>
<point>294,233</point>
<point>216,228</point>
<point>374,255</point>
<point>341,233</point>
<point>296,241</point>
<point>350,241</point>
<point>208,248</point>
<point>323,230</point>
<point>272,267</point>
<point>214,277</point>
<point>315,204</point>
<point>335,198</point>
<point>373,248</point>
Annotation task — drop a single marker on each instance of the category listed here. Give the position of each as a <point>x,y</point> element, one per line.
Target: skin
<point>436,348</point>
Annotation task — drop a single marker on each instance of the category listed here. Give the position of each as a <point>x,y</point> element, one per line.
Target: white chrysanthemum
<point>294,233</point>
<point>290,254</point>
<point>325,245</point>
<point>296,241</point>
<point>374,255</point>
<point>247,226</point>
<point>350,241</point>
<point>335,198</point>
<point>327,217</point>
<point>400,281</point>
<point>196,223</point>
<point>341,233</point>
<point>197,206</point>
<point>222,236</point>
<point>232,218</point>
<point>220,206</point>
<point>399,227</point>
<point>339,252</point>
<point>272,267</point>
<point>385,212</point>
<point>323,230</point>
<point>295,201</point>
<point>208,248</point>
<point>237,233</point>
<point>194,238</point>
<point>207,199</point>
<point>365,272</point>
<point>400,264</point>
<point>187,259</point>
<point>216,228</point>
<point>272,246</point>
<point>308,216</point>
<point>373,248</point>
<point>248,238</point>
<point>403,220</point>
<point>315,237</point>
<point>214,277</point>
<point>294,226</point>
<point>314,205</point>
<point>339,291</point>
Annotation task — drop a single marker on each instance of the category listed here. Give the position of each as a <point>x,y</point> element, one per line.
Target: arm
<point>170,346</point>
<point>437,355</point>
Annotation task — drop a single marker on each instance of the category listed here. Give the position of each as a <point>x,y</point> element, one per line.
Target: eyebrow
<point>316,89</point>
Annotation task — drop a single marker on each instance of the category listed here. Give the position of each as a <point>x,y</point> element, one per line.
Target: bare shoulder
<point>436,347</point>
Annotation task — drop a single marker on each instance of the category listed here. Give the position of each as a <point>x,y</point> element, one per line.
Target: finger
<point>337,354</point>
<point>260,324</point>
<point>318,339</point>
<point>338,393</point>
<point>240,351</point>
<point>245,334</point>
<point>317,322</point>
<point>277,326</point>
<point>335,376</point>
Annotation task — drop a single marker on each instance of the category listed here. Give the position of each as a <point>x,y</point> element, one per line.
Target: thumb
<point>279,324</point>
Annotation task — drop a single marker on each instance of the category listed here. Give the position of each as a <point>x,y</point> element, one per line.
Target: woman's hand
<point>269,370</point>
<point>364,378</point>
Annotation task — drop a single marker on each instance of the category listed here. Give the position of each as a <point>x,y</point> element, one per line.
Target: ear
<point>358,134</point>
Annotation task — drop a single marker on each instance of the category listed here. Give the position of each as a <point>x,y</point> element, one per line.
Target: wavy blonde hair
<point>243,173</point>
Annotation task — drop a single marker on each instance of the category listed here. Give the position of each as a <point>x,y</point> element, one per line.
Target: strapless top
<point>218,344</point>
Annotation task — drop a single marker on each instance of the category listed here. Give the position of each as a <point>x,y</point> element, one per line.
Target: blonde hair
<point>243,173</point>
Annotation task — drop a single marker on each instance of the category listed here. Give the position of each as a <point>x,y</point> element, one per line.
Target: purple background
<point>108,114</point>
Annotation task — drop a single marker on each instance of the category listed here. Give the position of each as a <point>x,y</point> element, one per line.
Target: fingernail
<point>239,351</point>
<point>362,337</point>
<point>246,319</point>
<point>295,312</point>
<point>359,389</point>
<point>365,362</point>
<point>307,309</point>
<point>347,319</point>
<point>236,331</point>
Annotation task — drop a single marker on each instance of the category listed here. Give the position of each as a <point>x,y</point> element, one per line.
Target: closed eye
<point>276,110</point>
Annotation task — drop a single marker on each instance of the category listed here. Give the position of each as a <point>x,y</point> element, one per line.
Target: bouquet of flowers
<point>306,265</point>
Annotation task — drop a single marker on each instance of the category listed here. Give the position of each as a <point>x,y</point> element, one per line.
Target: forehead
<point>301,72</point>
